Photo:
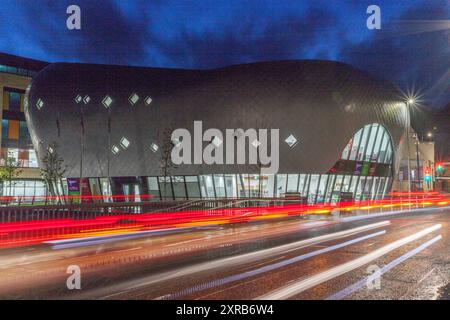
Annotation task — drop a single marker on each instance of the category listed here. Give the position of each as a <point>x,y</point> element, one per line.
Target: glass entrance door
<point>131,192</point>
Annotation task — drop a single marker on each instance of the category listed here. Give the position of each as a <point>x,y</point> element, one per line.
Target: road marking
<point>416,285</point>
<point>358,285</point>
<point>263,263</point>
<point>234,260</point>
<point>302,285</point>
<point>126,250</point>
<point>184,242</point>
<point>267,268</point>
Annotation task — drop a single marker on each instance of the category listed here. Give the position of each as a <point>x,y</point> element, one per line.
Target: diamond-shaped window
<point>39,104</point>
<point>115,149</point>
<point>148,100</point>
<point>291,141</point>
<point>154,147</point>
<point>124,143</point>
<point>86,99</point>
<point>133,99</point>
<point>107,101</point>
<point>78,99</point>
<point>216,141</point>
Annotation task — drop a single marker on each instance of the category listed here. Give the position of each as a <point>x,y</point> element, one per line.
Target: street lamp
<point>409,102</point>
<point>418,163</point>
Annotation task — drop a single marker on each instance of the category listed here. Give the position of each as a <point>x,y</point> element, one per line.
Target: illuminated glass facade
<point>363,172</point>
<point>15,75</point>
<point>16,141</point>
<point>26,188</point>
<point>17,71</point>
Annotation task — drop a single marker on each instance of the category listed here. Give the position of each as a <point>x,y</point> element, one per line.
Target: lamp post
<point>418,163</point>
<point>409,101</point>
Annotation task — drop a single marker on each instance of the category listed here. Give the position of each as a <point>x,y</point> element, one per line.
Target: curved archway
<point>371,143</point>
<point>365,164</point>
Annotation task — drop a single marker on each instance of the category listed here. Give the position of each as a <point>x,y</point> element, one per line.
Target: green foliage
<point>52,169</point>
<point>10,170</point>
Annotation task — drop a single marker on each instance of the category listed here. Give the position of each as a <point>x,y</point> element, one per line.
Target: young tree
<point>53,169</point>
<point>166,164</point>
<point>10,170</point>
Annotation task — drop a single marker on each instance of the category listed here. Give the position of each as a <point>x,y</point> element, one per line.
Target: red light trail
<point>13,234</point>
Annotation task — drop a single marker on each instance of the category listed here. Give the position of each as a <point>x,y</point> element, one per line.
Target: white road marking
<point>126,250</point>
<point>183,242</point>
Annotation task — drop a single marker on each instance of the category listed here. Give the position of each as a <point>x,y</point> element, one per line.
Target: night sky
<point>411,49</point>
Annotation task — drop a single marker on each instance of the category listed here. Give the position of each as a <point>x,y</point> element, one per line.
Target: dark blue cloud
<point>410,50</point>
<point>213,33</point>
<point>107,34</point>
<point>288,38</point>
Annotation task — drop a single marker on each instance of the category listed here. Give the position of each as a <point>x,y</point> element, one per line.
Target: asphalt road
<point>401,256</point>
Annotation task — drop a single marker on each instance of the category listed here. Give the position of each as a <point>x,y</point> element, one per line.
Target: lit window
<point>33,163</point>
<point>216,141</point>
<point>78,99</point>
<point>124,142</point>
<point>133,99</point>
<point>39,104</point>
<point>256,143</point>
<point>107,101</point>
<point>50,149</point>
<point>86,99</point>
<point>115,149</point>
<point>291,141</point>
<point>147,101</point>
<point>154,147</point>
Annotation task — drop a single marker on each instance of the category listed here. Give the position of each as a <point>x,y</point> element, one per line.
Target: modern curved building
<point>340,129</point>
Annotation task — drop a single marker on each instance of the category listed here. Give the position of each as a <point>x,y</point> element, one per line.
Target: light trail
<point>25,233</point>
<point>302,285</point>
<point>234,260</point>
<point>358,285</point>
<point>94,240</point>
<point>390,213</point>
<point>269,267</point>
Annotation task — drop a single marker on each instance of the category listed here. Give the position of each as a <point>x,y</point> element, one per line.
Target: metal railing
<point>93,210</point>
<point>98,209</point>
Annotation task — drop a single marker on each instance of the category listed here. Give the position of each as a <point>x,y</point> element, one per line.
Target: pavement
<point>391,256</point>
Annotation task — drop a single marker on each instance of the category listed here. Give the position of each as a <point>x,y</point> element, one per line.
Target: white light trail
<point>270,267</point>
<point>391,213</point>
<point>302,285</point>
<point>358,285</point>
<point>231,261</point>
